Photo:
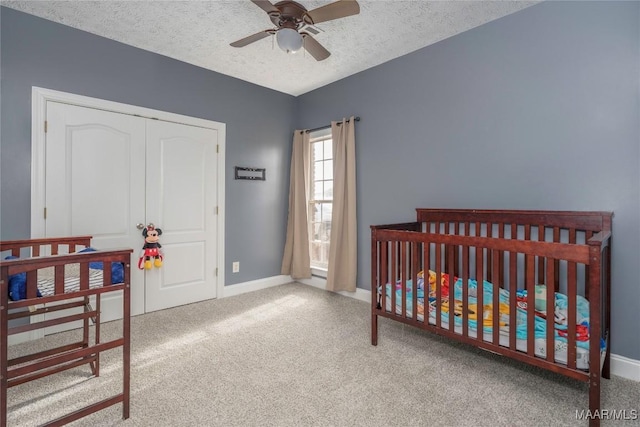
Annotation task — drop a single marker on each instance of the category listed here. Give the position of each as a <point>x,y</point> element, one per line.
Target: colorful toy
<point>151,248</point>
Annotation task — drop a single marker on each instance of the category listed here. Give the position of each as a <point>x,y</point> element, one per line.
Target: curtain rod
<point>357,119</point>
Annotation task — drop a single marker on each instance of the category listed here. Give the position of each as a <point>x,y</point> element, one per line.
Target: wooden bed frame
<point>85,352</point>
<point>514,250</point>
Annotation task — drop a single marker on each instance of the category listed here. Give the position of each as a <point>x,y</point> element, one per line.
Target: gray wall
<point>37,52</point>
<point>538,110</point>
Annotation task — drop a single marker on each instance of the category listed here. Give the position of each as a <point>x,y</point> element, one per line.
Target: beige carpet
<point>294,355</point>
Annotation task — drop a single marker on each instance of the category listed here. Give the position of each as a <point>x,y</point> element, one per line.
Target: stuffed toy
<point>151,248</point>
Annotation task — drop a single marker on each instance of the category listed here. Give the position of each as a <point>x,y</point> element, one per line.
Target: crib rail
<point>584,220</point>
<point>54,244</point>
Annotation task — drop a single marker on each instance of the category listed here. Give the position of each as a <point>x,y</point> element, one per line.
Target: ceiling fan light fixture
<point>288,16</point>
<point>289,40</point>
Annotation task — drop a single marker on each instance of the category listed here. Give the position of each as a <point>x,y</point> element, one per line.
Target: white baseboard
<point>315,281</point>
<point>321,283</point>
<point>625,367</point>
<point>255,285</point>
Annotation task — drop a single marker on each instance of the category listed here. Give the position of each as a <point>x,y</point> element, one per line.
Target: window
<point>321,199</point>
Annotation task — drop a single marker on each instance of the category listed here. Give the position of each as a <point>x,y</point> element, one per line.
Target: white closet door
<point>181,197</point>
<point>95,184</point>
<point>108,172</point>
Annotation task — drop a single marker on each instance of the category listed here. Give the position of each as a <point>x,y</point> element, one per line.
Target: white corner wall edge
<point>620,366</point>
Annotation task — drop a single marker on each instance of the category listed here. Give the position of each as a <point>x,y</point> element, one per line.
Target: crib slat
<point>403,278</point>
<point>513,288</point>
<point>106,273</point>
<point>501,258</point>
<point>32,284</point>
<point>394,276</point>
<point>427,286</point>
<point>479,262</point>
<point>480,293</point>
<point>456,255</point>
<point>85,329</point>
<point>59,279</point>
<point>527,236</point>
<point>414,280</point>
<point>95,367</point>
<point>496,297</point>
<point>572,291</point>
<point>84,275</point>
<point>489,255</point>
<point>465,290</point>
<point>438,281</point>
<point>375,286</point>
<point>452,302</point>
<point>551,301</point>
<point>556,262</point>
<point>540,262</point>
<point>384,274</point>
<point>530,286</point>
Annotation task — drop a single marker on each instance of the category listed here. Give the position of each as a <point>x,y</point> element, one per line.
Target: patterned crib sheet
<point>46,279</point>
<point>486,314</point>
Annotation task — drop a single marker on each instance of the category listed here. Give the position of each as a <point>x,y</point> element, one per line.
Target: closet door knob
<point>140,226</point>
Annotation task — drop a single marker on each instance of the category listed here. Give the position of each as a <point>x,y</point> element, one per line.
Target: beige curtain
<point>341,273</point>
<point>296,260</point>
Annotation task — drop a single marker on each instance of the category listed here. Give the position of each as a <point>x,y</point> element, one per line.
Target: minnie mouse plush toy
<point>151,248</point>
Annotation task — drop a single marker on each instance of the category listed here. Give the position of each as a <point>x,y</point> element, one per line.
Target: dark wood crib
<point>65,291</point>
<point>498,268</point>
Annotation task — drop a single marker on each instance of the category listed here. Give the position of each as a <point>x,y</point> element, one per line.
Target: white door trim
<point>39,99</point>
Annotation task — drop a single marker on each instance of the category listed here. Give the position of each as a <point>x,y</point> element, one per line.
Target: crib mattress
<point>540,344</point>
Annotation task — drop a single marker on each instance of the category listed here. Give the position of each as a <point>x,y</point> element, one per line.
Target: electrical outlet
<point>236,266</point>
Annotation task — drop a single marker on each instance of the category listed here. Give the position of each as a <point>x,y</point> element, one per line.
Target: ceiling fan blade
<point>312,46</point>
<point>335,10</point>
<point>266,6</point>
<point>252,38</point>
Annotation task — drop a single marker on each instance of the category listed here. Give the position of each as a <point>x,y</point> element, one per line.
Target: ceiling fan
<point>291,17</point>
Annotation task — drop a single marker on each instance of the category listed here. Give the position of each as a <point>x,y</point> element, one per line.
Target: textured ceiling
<point>199,33</point>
